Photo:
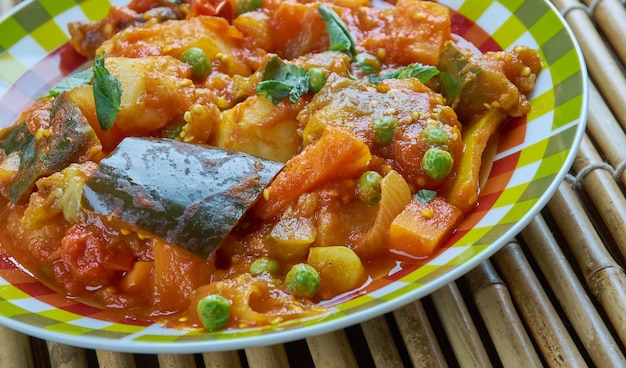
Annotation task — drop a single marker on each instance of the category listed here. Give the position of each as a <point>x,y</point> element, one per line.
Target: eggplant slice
<point>189,195</point>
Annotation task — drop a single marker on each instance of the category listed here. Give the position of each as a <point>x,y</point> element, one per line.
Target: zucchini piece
<point>69,139</point>
<point>189,195</point>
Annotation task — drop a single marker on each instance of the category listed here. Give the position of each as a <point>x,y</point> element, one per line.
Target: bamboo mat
<point>554,296</point>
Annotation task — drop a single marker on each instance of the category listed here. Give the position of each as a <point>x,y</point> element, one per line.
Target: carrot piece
<point>463,190</point>
<point>420,31</point>
<point>420,228</point>
<point>177,273</point>
<point>336,154</point>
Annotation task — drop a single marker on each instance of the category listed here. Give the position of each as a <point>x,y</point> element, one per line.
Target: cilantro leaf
<point>280,80</point>
<point>415,70</point>
<point>424,196</point>
<point>107,93</point>
<point>70,82</point>
<point>340,37</point>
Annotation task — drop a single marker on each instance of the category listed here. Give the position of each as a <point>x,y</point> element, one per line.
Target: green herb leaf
<point>107,93</point>
<point>424,196</point>
<point>415,70</point>
<point>280,80</point>
<point>71,82</point>
<point>340,37</point>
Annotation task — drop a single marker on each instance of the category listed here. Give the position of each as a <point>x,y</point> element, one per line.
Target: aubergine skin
<point>189,195</point>
<point>69,139</point>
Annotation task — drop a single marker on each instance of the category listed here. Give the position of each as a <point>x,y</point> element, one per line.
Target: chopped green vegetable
<point>244,6</point>
<point>368,187</point>
<point>107,93</point>
<point>435,135</point>
<point>213,311</point>
<point>72,81</point>
<point>384,129</point>
<point>424,196</point>
<point>317,79</point>
<point>264,265</point>
<point>437,163</point>
<point>368,63</point>
<point>416,70</point>
<point>338,34</point>
<point>199,61</point>
<point>303,280</point>
<point>69,139</point>
<point>190,195</point>
<point>280,80</point>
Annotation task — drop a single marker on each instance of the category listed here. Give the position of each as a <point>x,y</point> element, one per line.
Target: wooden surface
<point>554,296</point>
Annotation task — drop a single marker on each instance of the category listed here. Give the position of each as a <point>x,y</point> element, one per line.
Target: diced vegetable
<point>340,269</point>
<point>189,195</point>
<point>420,228</point>
<point>214,311</point>
<point>384,129</point>
<point>317,79</point>
<point>462,190</point>
<point>291,238</point>
<point>395,195</point>
<point>368,63</point>
<point>264,265</point>
<point>244,6</point>
<point>437,163</point>
<point>68,139</point>
<point>199,61</point>
<point>303,280</point>
<point>368,187</point>
<point>336,154</point>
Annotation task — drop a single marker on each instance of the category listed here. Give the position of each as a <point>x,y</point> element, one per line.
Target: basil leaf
<point>71,82</point>
<point>424,196</point>
<point>280,80</point>
<point>340,37</point>
<point>415,70</point>
<point>107,93</point>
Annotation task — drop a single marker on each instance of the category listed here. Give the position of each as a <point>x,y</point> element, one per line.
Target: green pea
<point>368,63</point>
<point>244,6</point>
<point>264,265</point>
<point>317,79</point>
<point>368,187</point>
<point>214,311</point>
<point>384,129</point>
<point>303,280</point>
<point>435,135</point>
<point>437,163</point>
<point>199,61</point>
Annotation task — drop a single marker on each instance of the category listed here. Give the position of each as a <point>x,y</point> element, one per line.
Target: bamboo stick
<point>15,349</point>
<point>609,16</point>
<point>605,130</point>
<point>331,350</point>
<point>222,359</point>
<point>604,192</point>
<point>545,325</point>
<point>176,360</point>
<point>459,327</point>
<point>604,276</point>
<point>273,356</point>
<point>609,77</point>
<point>494,304</point>
<point>580,311</point>
<point>65,356</point>
<point>112,359</point>
<point>418,336</point>
<point>380,343</point>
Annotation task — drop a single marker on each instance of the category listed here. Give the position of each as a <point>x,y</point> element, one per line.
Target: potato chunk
<point>339,267</point>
